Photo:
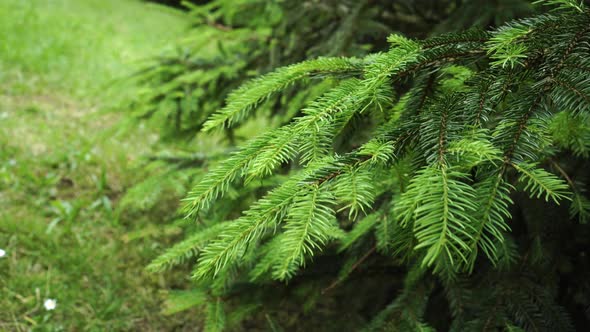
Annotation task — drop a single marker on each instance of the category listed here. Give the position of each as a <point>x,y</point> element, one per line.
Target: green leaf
<point>184,250</point>
<point>538,182</point>
<point>237,235</point>
<point>311,224</point>
<point>577,5</point>
<point>441,209</point>
<point>493,195</point>
<point>356,189</point>
<point>243,100</point>
<point>215,321</point>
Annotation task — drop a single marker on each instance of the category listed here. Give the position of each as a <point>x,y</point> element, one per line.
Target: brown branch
<point>353,267</point>
<point>219,26</point>
<point>564,174</point>
<point>521,126</point>
<point>572,89</point>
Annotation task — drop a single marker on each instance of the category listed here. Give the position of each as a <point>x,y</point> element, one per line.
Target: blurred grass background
<point>63,171</point>
<point>79,47</point>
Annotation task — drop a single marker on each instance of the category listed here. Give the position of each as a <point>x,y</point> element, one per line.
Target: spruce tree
<point>433,184</point>
<point>231,42</point>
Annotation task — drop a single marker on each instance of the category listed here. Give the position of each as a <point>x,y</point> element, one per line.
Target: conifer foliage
<point>430,177</point>
<point>231,42</point>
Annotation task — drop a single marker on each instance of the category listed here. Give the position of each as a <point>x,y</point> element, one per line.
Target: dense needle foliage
<point>233,41</point>
<point>438,184</point>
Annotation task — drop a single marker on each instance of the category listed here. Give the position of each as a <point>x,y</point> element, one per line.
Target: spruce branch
<point>538,182</point>
<point>310,225</point>
<point>577,5</point>
<point>441,208</point>
<point>493,195</point>
<point>243,100</point>
<point>188,248</point>
<point>237,235</point>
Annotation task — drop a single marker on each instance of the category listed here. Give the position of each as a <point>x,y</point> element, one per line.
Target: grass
<point>63,171</point>
<point>79,47</point>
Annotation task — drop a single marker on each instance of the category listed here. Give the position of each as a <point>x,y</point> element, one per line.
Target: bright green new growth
<point>441,209</point>
<point>245,99</point>
<point>440,204</point>
<point>309,226</point>
<point>540,183</point>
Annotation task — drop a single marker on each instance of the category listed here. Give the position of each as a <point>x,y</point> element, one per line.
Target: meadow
<point>65,164</point>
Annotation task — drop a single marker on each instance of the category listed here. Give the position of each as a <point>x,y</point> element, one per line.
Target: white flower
<point>50,304</point>
<point>2,253</point>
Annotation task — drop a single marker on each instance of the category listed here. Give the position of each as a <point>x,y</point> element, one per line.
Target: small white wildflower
<point>50,304</point>
<point>2,253</point>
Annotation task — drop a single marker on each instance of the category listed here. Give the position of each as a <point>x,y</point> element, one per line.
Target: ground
<point>65,164</point>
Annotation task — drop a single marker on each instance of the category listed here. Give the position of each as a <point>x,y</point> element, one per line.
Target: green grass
<point>63,171</point>
<point>79,47</point>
